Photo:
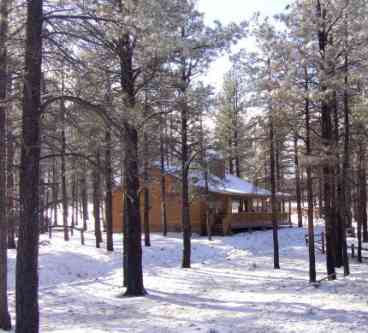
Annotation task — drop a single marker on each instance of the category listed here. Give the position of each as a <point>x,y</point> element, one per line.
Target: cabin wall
<point>117,212</point>
<point>173,207</point>
<point>220,208</point>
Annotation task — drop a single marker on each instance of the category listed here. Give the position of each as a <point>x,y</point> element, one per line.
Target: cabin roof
<point>232,185</point>
<point>229,185</point>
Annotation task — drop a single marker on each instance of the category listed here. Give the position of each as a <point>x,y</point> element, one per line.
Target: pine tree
<point>27,310</point>
<point>5,322</point>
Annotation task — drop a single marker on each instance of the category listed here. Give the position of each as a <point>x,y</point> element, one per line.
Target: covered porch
<point>248,212</point>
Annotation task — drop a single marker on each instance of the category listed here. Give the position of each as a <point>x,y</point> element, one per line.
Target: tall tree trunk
<point>125,242</point>
<point>362,196</point>
<point>132,218</point>
<point>276,258</point>
<point>231,157</point>
<point>11,194</point>
<point>204,162</point>
<point>76,198</point>
<point>363,193</point>
<point>328,191</point>
<point>47,209</point>
<point>297,182</point>
<point>320,195</point>
<point>346,172</point>
<point>163,183</point>
<point>63,172</point>
<point>236,148</point>
<point>73,199</point>
<point>345,196</point>
<point>84,197</point>
<point>327,141</point>
<point>55,191</point>
<point>5,322</point>
<point>311,248</point>
<point>146,193</point>
<point>97,199</point>
<point>185,213</point>
<point>278,168</point>
<point>108,198</point>
<point>362,184</point>
<point>42,200</point>
<point>27,309</point>
<point>338,197</point>
<point>146,196</point>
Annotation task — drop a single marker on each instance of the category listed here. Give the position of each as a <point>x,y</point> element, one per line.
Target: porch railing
<point>253,220</point>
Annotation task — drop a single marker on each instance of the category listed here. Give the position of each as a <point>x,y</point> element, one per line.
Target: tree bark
<point>320,195</point>
<point>346,218</point>
<point>362,184</point>
<point>11,193</point>
<point>47,189</point>
<point>97,200</point>
<point>363,193</point>
<point>185,214</point>
<point>276,257</point>
<point>55,191</point>
<point>346,172</point>
<point>297,182</point>
<point>163,183</point>
<point>76,198</point>
<point>146,196</point>
<point>204,162</point>
<point>73,199</point>
<point>362,199</point>
<point>5,321</point>
<point>84,197</point>
<point>146,193</point>
<point>63,172</point>
<point>108,199</point>
<point>236,148</point>
<point>311,247</point>
<point>132,217</point>
<point>27,308</point>
<point>327,142</point>
<point>231,158</point>
<point>338,197</point>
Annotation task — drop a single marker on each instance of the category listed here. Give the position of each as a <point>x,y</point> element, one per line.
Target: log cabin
<point>232,203</point>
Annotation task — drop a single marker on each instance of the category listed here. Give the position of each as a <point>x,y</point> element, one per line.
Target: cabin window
<point>242,205</point>
<point>235,205</point>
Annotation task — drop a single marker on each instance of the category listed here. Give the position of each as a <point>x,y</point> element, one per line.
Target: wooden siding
<point>220,209</point>
<point>173,207</point>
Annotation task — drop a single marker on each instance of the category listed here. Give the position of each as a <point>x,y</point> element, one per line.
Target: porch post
<point>290,211</point>
<point>226,222</point>
<point>241,205</point>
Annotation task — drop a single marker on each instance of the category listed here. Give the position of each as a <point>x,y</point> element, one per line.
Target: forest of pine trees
<point>94,93</point>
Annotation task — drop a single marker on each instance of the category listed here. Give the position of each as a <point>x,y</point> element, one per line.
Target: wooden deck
<point>249,220</point>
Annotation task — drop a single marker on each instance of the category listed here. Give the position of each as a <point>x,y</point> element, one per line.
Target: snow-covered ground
<point>231,287</point>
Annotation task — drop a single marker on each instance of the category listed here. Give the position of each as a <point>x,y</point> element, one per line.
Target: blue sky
<point>235,11</point>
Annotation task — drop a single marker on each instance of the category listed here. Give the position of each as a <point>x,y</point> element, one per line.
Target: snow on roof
<point>231,185</point>
<point>211,153</point>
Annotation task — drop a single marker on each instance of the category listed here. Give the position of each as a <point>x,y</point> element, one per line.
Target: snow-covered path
<point>232,287</point>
